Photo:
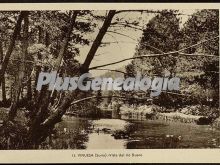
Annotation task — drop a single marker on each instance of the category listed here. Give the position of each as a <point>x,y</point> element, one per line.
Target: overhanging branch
<point>112,70</point>
<point>174,53</point>
<point>121,34</point>
<point>112,63</point>
<point>92,97</point>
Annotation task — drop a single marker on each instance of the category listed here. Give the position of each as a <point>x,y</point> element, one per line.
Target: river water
<point>78,133</point>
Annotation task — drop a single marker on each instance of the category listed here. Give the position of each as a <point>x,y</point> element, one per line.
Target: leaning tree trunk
<point>97,42</point>
<point>21,72</point>
<point>17,30</point>
<point>42,126</point>
<point>56,117</point>
<point>41,112</point>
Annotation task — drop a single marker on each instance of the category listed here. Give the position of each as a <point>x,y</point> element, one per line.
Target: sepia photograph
<point>109,79</point>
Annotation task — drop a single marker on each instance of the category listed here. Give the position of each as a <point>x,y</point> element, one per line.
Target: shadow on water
<point>70,134</point>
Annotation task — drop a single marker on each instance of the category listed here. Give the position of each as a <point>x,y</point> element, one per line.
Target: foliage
<point>198,74</point>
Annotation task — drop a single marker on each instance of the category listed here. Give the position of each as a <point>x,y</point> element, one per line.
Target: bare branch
<point>101,54</point>
<point>127,25</point>
<point>173,93</point>
<point>125,97</point>
<point>175,53</point>
<point>112,63</point>
<point>142,11</point>
<point>201,42</point>
<point>92,97</point>
<point>121,34</point>
<point>148,11</point>
<point>112,70</point>
<point>203,55</point>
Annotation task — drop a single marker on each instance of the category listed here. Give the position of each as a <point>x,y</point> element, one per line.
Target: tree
<point>56,117</point>
<point>20,76</point>
<point>202,25</point>
<point>161,35</point>
<point>16,32</point>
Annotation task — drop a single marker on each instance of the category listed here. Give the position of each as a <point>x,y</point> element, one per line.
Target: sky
<point>121,47</point>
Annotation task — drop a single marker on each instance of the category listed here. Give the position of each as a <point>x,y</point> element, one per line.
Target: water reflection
<point>102,138</point>
<point>104,141</point>
<point>159,134</point>
<point>120,134</point>
<point>71,134</point>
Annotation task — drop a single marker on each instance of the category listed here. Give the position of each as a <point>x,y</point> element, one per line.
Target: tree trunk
<point>40,35</point>
<point>3,78</point>
<point>3,91</point>
<point>18,83</point>
<point>41,129</point>
<point>38,68</point>
<point>37,72</point>
<point>65,41</point>
<point>1,52</point>
<point>36,133</point>
<point>56,117</point>
<point>17,30</point>
<point>47,39</point>
<point>97,41</point>
<point>29,89</point>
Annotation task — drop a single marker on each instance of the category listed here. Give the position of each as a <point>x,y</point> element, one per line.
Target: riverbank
<point>190,114</point>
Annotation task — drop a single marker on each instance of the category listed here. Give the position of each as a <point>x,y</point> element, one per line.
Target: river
<point>79,133</point>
